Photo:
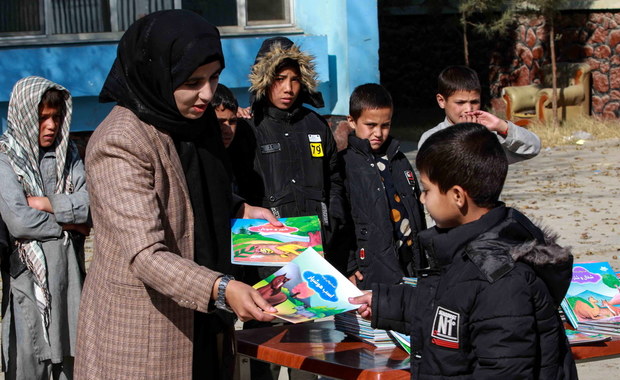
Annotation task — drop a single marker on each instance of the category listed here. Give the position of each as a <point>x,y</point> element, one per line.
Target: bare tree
<point>548,9</point>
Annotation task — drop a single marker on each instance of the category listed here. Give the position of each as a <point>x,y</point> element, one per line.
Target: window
<point>239,15</point>
<point>48,21</point>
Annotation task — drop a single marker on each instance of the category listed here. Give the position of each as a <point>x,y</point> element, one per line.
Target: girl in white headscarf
<point>44,204</point>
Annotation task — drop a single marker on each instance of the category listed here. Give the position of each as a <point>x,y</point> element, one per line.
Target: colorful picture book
<point>592,302</point>
<point>578,337</point>
<point>308,288</point>
<point>257,242</point>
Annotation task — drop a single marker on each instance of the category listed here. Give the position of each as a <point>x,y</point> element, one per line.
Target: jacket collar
<point>392,146</point>
<point>440,245</point>
<point>496,241</point>
<point>290,115</point>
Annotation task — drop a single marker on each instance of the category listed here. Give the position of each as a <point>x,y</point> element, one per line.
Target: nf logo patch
<point>446,328</point>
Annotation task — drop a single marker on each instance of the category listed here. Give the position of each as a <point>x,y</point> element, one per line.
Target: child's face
<point>228,124</point>
<point>50,121</point>
<point>457,104</point>
<point>442,208</point>
<point>373,125</point>
<point>284,90</point>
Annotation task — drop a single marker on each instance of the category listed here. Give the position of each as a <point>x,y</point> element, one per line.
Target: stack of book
<point>402,339</point>
<point>592,302</point>
<point>354,325</point>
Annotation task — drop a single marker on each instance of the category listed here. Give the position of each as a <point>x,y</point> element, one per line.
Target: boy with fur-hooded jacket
<point>292,156</point>
<point>486,305</point>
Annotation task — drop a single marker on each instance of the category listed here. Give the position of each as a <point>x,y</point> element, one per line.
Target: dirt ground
<point>575,190</point>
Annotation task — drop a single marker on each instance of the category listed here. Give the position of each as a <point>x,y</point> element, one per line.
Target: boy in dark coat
<point>486,306</point>
<point>292,167</point>
<point>382,192</point>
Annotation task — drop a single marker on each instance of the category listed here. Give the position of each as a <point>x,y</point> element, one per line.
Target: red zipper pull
<point>362,254</point>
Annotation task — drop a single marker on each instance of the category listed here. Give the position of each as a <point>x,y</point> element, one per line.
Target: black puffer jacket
<point>370,210</point>
<point>488,307</point>
<point>288,176</point>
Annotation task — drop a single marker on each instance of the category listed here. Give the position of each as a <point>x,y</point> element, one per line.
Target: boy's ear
<point>441,101</point>
<point>351,121</point>
<point>458,196</point>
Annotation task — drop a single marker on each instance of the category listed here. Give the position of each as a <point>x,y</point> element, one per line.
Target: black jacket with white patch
<point>488,306</point>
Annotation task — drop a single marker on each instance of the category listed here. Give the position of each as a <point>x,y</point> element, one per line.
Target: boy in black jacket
<point>292,167</point>
<point>382,192</point>
<point>486,305</point>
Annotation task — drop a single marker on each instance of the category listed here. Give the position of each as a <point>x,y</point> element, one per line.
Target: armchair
<point>524,103</point>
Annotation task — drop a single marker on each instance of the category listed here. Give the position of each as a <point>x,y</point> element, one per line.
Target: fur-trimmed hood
<point>497,241</point>
<point>528,243</point>
<point>272,52</point>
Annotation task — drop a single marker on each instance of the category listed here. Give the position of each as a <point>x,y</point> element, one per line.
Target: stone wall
<point>415,48</point>
<point>591,37</point>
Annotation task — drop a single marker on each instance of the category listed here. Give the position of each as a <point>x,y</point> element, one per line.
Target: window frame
<point>243,27</point>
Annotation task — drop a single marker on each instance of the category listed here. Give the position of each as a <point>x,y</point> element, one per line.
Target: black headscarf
<point>156,55</point>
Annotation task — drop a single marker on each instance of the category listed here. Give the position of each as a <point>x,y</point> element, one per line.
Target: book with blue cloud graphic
<point>308,288</point>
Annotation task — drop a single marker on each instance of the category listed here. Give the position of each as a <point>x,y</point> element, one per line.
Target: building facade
<point>73,43</point>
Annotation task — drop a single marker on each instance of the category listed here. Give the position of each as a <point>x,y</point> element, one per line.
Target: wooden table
<point>320,349</point>
<point>601,350</point>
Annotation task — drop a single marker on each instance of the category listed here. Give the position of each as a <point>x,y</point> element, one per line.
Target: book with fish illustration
<point>257,242</point>
<point>308,288</point>
<point>593,298</point>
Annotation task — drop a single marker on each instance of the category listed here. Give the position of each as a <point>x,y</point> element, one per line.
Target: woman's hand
<point>246,302</point>
<point>252,212</point>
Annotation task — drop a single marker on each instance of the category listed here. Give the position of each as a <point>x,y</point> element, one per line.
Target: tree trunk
<point>465,42</point>
<point>554,69</point>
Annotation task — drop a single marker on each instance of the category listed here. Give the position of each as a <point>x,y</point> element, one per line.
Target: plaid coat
<point>136,315</point>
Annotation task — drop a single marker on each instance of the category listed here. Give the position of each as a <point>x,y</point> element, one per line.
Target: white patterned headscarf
<point>20,143</point>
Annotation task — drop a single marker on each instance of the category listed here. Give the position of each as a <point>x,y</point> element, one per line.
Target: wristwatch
<point>220,302</point>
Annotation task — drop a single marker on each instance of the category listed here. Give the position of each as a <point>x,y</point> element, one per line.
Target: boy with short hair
<point>226,106</point>
<point>382,193</point>
<point>458,94</point>
<point>486,307</point>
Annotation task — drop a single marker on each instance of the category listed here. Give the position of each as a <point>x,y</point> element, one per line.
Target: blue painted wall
<point>352,31</point>
<point>342,35</point>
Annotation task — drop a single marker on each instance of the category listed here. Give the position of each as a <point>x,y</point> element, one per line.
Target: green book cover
<point>257,242</point>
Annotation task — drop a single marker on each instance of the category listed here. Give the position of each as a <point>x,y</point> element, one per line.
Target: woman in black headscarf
<point>161,205</point>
